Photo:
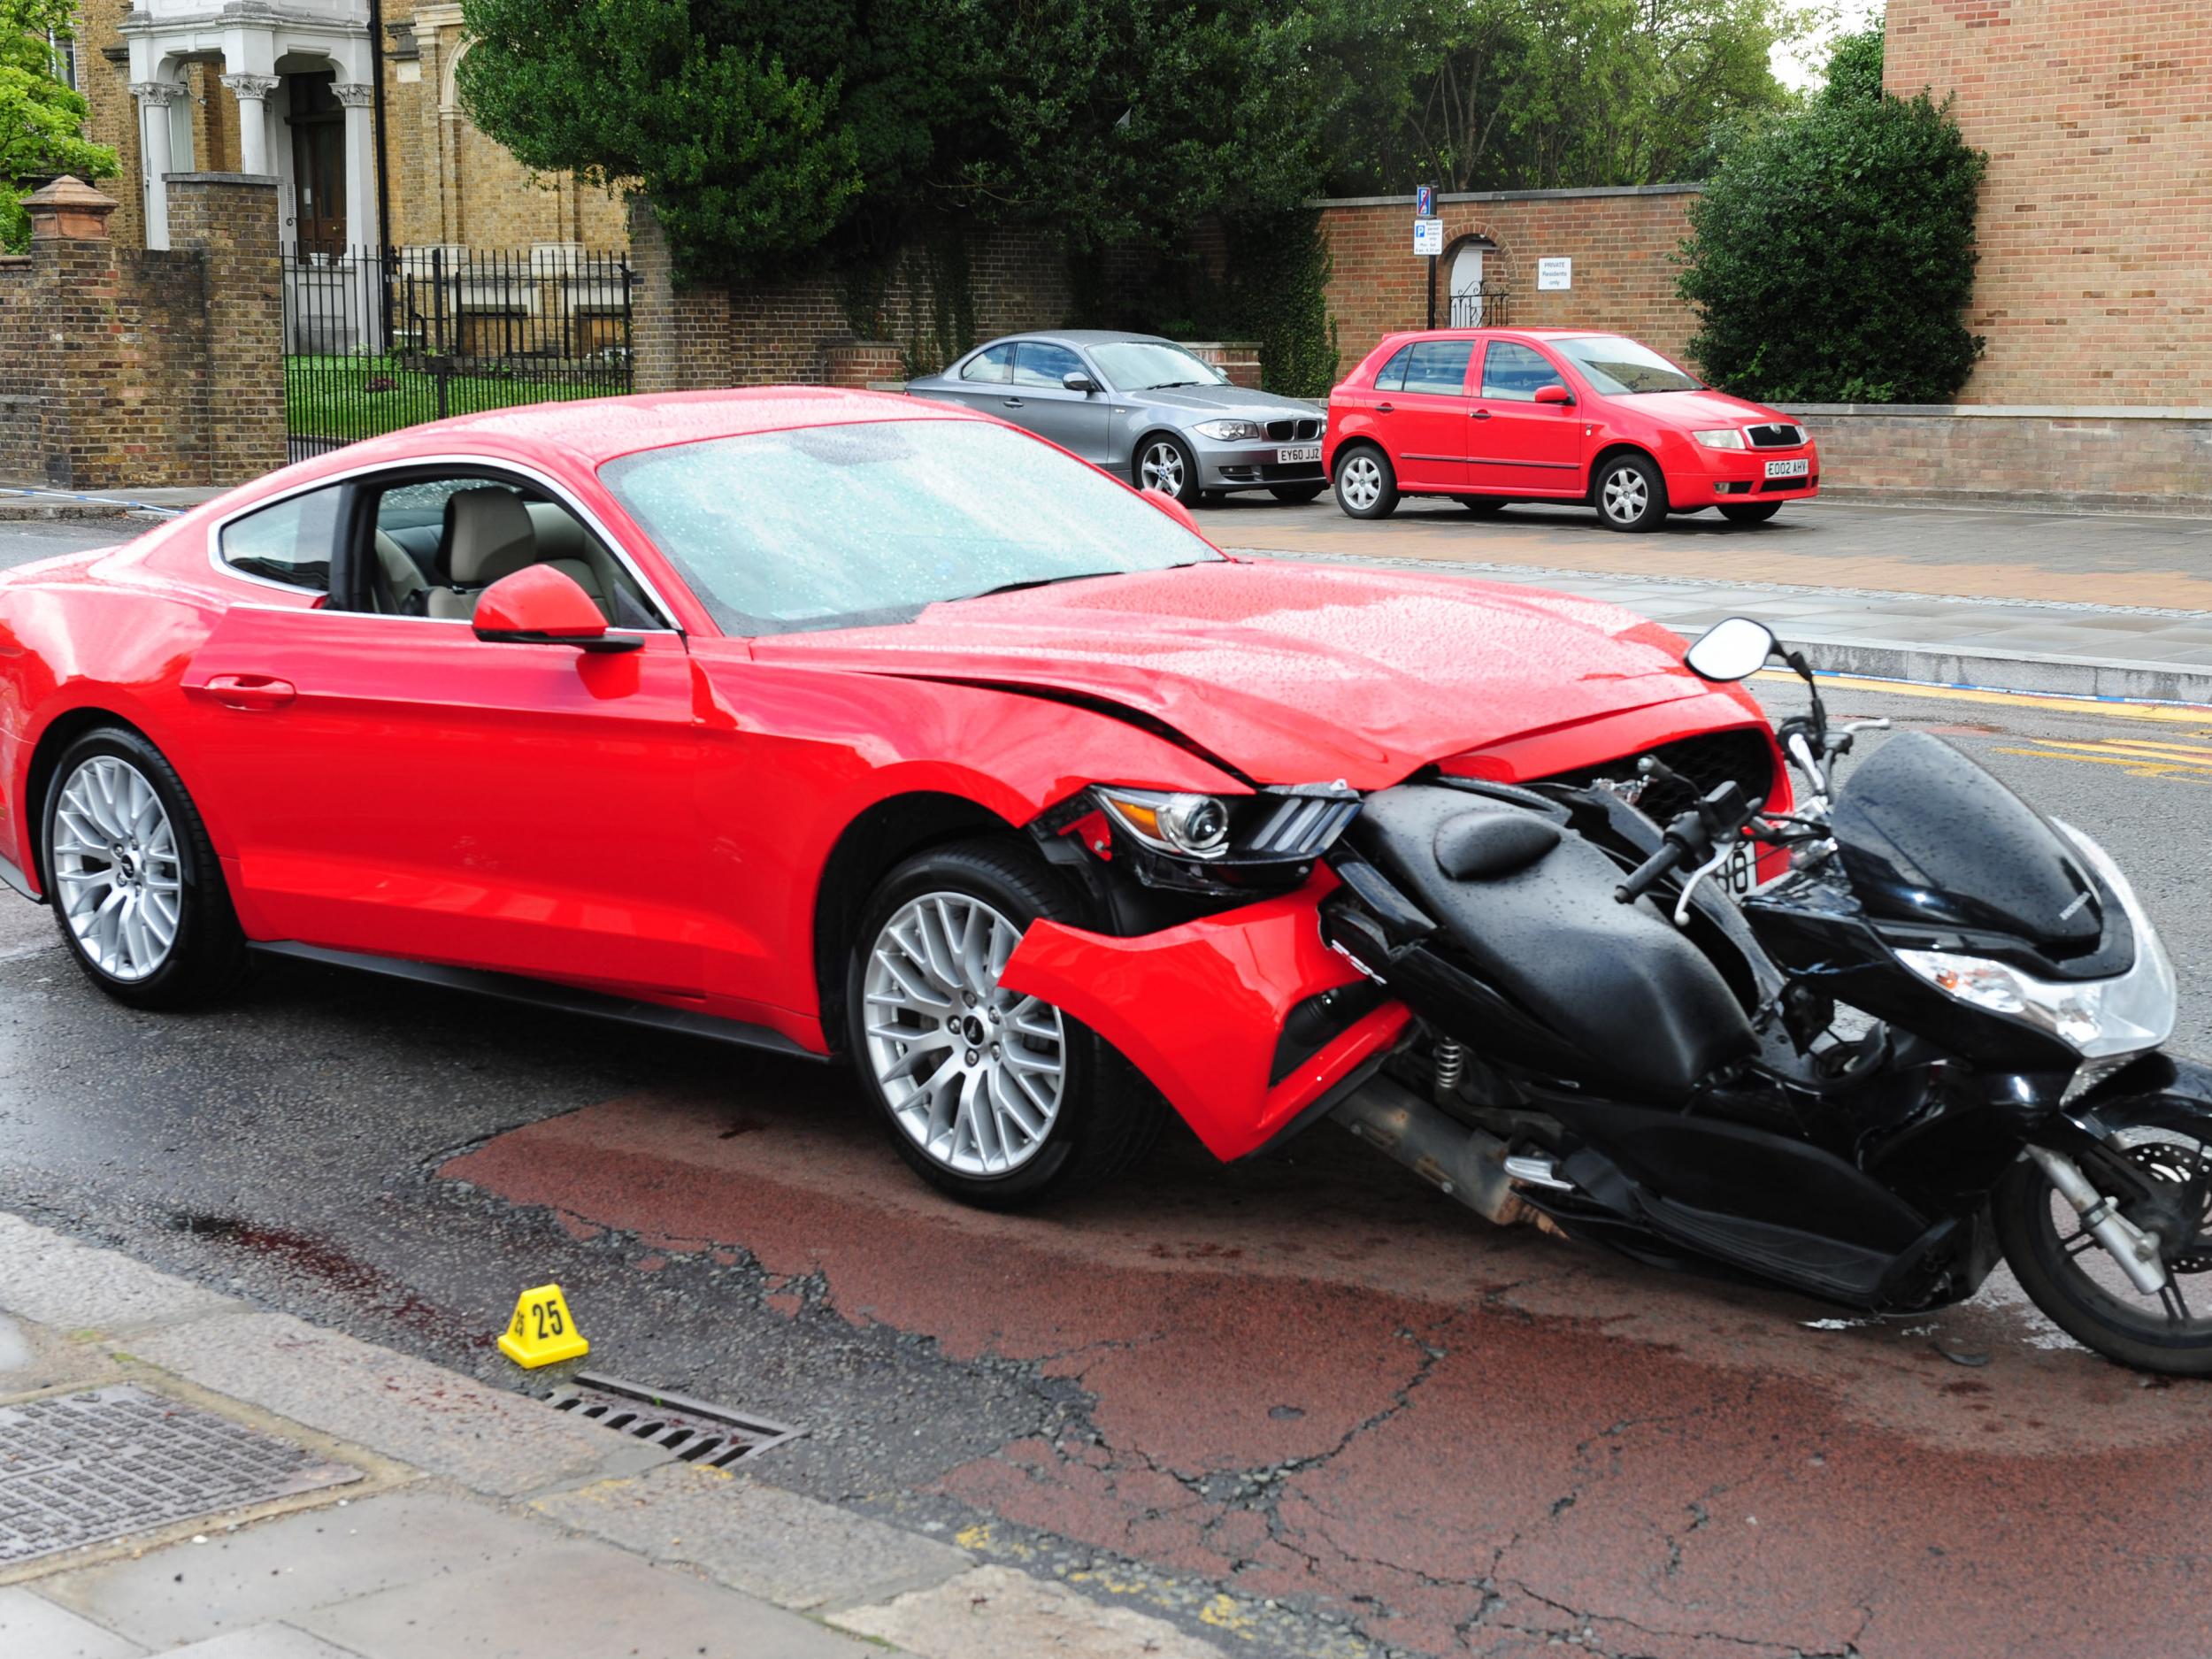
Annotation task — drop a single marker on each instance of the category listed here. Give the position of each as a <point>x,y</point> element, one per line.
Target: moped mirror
<point>1076,380</point>
<point>1735,649</point>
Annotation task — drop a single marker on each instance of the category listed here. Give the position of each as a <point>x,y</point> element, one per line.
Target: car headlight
<point>2097,1019</point>
<point>1194,825</point>
<point>1230,430</point>
<point>1721,438</point>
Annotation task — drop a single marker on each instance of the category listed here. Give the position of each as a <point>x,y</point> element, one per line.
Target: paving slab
<point>436,1420</point>
<point>791,1550</point>
<point>280,1570</point>
<point>32,1627</point>
<point>263,1642</point>
<point>74,1288</point>
<point>995,1613</point>
<point>577,1602</point>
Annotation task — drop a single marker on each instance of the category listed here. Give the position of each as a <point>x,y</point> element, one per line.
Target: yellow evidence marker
<point>543,1332</point>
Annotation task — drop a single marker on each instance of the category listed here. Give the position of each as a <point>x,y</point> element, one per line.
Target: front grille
<point>1775,484</point>
<point>1304,430</point>
<point>1703,761</point>
<point>1777,435</point>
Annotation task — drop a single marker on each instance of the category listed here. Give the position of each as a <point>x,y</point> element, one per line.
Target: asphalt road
<point>1304,1404</point>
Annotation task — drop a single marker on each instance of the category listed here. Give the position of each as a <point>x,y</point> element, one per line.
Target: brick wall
<point>2130,459</point>
<point>1622,242</point>
<point>2096,212</point>
<point>120,367</point>
<point>113,116</point>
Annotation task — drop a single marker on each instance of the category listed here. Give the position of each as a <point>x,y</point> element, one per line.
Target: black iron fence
<point>378,339</point>
<point>1482,307</point>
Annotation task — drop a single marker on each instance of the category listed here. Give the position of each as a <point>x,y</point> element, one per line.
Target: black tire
<point>2022,1209</point>
<point>1107,1115</point>
<point>1366,485</point>
<point>1630,493</point>
<point>1484,506</point>
<point>1164,462</point>
<point>1749,511</point>
<point>1295,495</point>
<point>207,958</point>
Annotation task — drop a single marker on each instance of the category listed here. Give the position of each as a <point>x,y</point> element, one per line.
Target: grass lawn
<point>362,397</point>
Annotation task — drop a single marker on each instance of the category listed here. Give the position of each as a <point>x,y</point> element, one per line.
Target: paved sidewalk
<point>424,1514</point>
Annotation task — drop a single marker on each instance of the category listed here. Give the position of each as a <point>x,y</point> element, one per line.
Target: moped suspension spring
<point>1451,1066</point>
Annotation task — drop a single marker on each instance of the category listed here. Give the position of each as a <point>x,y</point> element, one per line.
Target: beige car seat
<point>488,535</point>
<point>565,544</point>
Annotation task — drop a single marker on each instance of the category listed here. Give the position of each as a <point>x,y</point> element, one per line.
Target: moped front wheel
<point>2082,1287</point>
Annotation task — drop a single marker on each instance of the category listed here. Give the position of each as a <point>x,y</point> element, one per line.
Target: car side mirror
<point>537,605</point>
<point>1733,649</point>
<point>1076,380</point>
<point>1554,394</point>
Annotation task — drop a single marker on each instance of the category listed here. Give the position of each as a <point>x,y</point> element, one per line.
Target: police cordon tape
<point>9,492</point>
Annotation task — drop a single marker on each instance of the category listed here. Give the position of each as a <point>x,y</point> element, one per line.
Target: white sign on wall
<point>1428,237</point>
<point>1555,273</point>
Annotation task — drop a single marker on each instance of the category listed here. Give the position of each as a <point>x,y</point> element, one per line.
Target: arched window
<point>1468,288</point>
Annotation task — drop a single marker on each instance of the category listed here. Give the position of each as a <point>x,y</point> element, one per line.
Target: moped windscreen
<point>1925,834</point>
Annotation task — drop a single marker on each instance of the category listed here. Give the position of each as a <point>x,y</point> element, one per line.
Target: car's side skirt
<point>565,999</point>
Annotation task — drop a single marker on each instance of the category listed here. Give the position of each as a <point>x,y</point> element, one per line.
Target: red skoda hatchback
<point>1494,416</point>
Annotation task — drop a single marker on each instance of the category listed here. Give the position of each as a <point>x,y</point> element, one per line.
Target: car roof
<point>1080,337</point>
<point>596,430</point>
<point>1483,333</point>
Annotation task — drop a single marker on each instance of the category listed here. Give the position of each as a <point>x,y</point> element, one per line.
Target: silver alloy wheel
<point>973,1074</point>
<point>1626,495</point>
<point>1360,482</point>
<point>1162,468</point>
<point>116,874</point>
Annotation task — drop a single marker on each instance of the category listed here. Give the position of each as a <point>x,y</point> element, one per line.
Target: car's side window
<point>1038,363</point>
<point>1510,370</point>
<point>1391,376</point>
<point>1439,366</point>
<point>994,366</point>
<point>290,543</point>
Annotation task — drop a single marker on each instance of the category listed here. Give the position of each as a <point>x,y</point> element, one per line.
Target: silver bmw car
<point>1143,407</point>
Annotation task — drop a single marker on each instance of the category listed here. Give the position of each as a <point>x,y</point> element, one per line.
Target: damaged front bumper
<point>1245,1021</point>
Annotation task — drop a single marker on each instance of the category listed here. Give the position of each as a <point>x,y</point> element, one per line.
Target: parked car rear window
<point>1616,368</point>
<point>862,524</point>
<point>1391,376</point>
<point>1513,371</point>
<point>1037,364</point>
<point>1439,366</point>
<point>994,364</point>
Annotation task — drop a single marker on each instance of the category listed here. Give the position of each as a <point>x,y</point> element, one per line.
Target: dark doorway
<point>317,121</point>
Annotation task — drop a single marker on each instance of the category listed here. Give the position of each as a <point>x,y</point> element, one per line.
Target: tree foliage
<point>41,119</point>
<point>1831,255</point>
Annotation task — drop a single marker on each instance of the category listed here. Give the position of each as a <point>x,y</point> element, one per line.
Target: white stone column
<point>252,93</point>
<point>357,96</point>
<point>154,99</point>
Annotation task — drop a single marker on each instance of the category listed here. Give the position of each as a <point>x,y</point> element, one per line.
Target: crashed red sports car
<point>837,724</point>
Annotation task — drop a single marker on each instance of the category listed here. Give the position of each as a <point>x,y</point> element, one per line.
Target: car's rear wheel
<point>1165,463</point>
<point>1749,511</point>
<point>133,879</point>
<point>1366,486</point>
<point>1630,493</point>
<point>995,1097</point>
<point>1296,495</point>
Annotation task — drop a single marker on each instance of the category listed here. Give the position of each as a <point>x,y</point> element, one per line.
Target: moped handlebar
<point>1648,874</point>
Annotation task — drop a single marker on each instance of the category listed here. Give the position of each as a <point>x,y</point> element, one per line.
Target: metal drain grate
<point>84,1468</point>
<point>697,1432</point>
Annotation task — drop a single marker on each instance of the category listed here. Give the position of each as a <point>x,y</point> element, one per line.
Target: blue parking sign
<point>1424,201</point>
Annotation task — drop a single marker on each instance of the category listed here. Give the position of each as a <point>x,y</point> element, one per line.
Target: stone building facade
<point>2096,212</point>
<point>288,88</point>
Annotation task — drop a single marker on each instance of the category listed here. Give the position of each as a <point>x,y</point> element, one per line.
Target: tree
<point>1830,256</point>
<point>41,119</point>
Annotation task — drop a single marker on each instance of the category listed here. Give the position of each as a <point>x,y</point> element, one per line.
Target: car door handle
<point>1383,408</point>
<point>1012,402</point>
<point>250,692</point>
<point>1477,414</point>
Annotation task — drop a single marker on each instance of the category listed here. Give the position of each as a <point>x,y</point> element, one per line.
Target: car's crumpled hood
<point>1292,674</point>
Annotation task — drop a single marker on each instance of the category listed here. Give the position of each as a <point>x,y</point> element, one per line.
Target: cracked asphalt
<point>1303,1405</point>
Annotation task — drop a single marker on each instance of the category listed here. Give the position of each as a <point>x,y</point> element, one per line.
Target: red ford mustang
<point>832,722</point>
<point>1496,416</point>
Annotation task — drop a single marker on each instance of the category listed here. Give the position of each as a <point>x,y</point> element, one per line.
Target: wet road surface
<point>1304,1404</point>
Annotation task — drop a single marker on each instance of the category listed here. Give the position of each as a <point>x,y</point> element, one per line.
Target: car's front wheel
<point>133,878</point>
<point>1366,486</point>
<point>1630,493</point>
<point>1749,511</point>
<point>1165,463</point>
<point>996,1097</point>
